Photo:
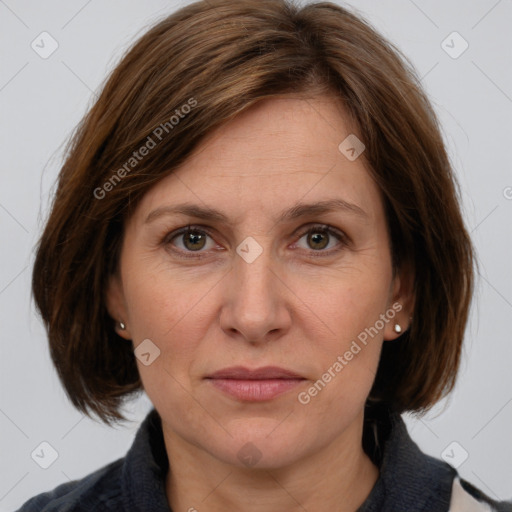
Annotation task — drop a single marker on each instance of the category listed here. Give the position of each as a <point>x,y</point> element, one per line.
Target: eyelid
<point>321,227</point>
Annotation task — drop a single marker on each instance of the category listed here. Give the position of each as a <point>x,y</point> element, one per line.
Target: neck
<point>337,477</point>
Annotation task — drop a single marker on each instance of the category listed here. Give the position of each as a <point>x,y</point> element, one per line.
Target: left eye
<point>319,237</point>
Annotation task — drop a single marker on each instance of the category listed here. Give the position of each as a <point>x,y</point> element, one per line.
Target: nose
<point>256,304</point>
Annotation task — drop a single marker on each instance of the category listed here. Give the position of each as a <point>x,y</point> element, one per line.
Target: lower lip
<point>255,390</point>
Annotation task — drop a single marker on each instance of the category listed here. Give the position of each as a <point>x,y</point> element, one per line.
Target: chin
<point>262,445</point>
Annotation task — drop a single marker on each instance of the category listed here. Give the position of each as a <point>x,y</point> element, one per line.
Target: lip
<point>260,384</point>
<point>265,372</point>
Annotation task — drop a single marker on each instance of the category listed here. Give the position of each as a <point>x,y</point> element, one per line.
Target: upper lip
<point>265,372</point>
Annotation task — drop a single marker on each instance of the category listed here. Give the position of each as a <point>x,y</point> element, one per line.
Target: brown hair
<point>219,58</point>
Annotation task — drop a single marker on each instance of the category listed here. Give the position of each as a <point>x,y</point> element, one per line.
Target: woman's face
<point>266,279</point>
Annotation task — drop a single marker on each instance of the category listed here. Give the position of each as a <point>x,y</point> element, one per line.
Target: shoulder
<point>413,480</point>
<point>466,496</point>
<point>100,490</point>
<point>133,482</point>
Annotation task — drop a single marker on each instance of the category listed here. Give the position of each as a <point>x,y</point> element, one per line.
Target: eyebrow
<point>299,210</point>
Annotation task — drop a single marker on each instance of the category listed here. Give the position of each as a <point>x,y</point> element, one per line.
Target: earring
<point>397,328</point>
<point>122,326</point>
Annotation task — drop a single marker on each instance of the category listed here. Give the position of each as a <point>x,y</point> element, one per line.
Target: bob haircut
<point>185,77</point>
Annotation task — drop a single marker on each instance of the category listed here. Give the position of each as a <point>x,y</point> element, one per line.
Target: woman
<point>257,224</point>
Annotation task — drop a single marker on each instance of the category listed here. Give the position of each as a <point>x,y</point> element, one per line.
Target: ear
<point>402,300</point>
<point>116,305</point>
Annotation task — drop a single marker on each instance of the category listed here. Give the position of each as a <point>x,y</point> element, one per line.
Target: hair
<point>220,57</point>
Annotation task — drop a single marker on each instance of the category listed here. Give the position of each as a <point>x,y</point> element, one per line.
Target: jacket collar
<point>145,468</point>
<point>408,480</point>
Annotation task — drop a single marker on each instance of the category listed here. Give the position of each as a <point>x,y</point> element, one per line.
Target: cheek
<point>162,301</point>
<point>348,352</point>
<point>171,313</point>
<point>352,301</point>
<point>174,309</point>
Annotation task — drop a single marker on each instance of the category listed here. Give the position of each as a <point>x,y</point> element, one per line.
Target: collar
<point>145,468</point>
<point>408,480</point>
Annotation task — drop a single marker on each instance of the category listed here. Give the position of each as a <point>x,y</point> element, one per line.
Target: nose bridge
<point>253,270</point>
<point>255,305</point>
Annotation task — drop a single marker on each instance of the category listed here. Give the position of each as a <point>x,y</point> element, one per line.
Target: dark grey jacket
<point>409,481</point>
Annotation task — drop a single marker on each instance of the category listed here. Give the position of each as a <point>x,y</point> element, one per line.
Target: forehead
<point>278,152</point>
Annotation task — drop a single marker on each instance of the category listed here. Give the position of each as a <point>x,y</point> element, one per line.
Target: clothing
<point>409,481</point>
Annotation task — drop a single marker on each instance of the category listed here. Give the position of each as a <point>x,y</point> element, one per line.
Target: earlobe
<point>401,306</point>
<point>116,306</point>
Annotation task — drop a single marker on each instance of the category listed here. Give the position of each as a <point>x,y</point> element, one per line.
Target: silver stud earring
<point>122,326</point>
<point>397,328</point>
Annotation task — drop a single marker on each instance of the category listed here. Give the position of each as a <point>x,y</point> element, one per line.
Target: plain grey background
<point>41,101</point>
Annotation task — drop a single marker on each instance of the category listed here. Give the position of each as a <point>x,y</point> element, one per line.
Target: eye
<point>189,239</point>
<point>321,236</point>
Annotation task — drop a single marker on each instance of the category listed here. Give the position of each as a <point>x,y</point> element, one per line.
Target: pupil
<point>192,239</point>
<point>317,239</point>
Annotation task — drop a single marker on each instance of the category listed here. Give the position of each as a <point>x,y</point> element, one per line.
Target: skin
<point>287,308</point>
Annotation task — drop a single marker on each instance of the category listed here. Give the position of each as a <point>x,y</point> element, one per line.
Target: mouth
<point>260,384</point>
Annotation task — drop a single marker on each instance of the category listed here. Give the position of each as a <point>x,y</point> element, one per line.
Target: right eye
<point>189,239</point>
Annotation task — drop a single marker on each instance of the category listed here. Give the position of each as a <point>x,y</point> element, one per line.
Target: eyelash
<point>321,228</point>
